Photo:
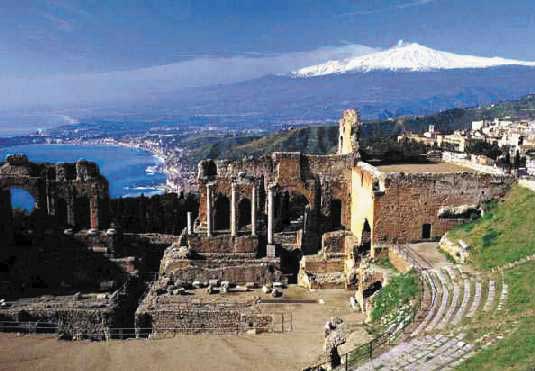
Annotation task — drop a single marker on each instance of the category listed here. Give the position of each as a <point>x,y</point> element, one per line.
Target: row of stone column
<point>233,210</point>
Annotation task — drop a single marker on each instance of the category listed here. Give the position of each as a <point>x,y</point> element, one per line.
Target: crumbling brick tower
<point>349,132</point>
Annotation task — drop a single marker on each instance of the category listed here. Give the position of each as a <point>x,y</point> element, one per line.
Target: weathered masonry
<point>72,194</point>
<point>397,206</point>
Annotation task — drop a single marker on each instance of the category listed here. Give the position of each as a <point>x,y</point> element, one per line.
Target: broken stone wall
<point>411,201</point>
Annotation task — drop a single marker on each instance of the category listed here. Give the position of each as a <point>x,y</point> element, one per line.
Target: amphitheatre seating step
<point>490,297</point>
<point>477,300</point>
<point>464,304</point>
<point>454,301</point>
<point>503,296</point>
<point>433,284</point>
<point>434,352</point>
<point>444,298</point>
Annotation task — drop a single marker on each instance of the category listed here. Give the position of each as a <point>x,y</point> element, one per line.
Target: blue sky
<point>56,45</point>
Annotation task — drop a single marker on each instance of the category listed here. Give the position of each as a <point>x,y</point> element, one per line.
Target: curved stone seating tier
<point>503,296</point>
<point>454,301</point>
<point>490,297</point>
<point>435,352</point>
<point>434,303</point>
<point>443,301</point>
<point>477,300</point>
<point>464,304</point>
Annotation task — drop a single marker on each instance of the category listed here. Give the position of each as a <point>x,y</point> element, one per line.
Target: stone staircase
<point>436,343</point>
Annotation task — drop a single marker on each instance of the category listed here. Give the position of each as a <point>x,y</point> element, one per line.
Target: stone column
<point>209,225</point>
<point>94,212</point>
<point>233,211</point>
<point>69,202</point>
<point>270,216</point>
<point>253,211</point>
<point>190,225</point>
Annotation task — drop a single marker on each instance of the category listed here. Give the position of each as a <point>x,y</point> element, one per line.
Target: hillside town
<point>506,144</point>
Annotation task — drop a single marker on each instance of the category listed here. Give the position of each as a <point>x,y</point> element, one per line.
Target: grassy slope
<point>505,234</point>
<point>517,350</point>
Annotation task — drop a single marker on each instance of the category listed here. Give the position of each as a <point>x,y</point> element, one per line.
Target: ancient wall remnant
<point>73,194</point>
<point>408,207</point>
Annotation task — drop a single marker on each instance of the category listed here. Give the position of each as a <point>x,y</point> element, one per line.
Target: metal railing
<point>282,323</point>
<point>367,351</point>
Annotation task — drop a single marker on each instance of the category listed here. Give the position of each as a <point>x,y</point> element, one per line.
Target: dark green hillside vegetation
<point>313,139</point>
<point>461,118</point>
<point>378,138</point>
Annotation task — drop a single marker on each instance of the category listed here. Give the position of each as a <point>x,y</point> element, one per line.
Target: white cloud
<point>143,82</point>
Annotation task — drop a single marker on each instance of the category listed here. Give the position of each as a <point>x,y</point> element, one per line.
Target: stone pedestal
<point>270,250</point>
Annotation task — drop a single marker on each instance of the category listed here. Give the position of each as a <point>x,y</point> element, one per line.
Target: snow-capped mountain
<point>406,57</point>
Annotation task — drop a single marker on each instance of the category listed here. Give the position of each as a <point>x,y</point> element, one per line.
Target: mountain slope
<point>406,57</point>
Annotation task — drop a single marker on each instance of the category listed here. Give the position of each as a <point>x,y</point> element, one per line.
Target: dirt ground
<point>288,351</point>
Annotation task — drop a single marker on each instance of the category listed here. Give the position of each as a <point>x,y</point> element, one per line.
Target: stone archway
<point>291,208</point>
<point>49,183</point>
<point>22,199</point>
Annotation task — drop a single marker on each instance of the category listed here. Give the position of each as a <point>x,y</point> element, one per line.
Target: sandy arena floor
<point>288,351</point>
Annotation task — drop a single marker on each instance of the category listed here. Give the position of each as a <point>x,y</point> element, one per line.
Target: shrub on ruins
<point>484,148</point>
<point>395,298</point>
<point>389,150</point>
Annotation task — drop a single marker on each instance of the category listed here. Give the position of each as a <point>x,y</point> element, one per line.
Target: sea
<point>130,171</point>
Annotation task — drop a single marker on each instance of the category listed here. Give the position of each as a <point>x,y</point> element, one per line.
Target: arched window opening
<point>22,200</point>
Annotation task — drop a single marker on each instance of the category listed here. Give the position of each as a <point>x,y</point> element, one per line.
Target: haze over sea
<point>128,170</point>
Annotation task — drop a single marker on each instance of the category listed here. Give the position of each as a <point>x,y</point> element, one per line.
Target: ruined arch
<point>291,209</point>
<point>221,212</point>
<point>48,183</point>
<point>22,199</point>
